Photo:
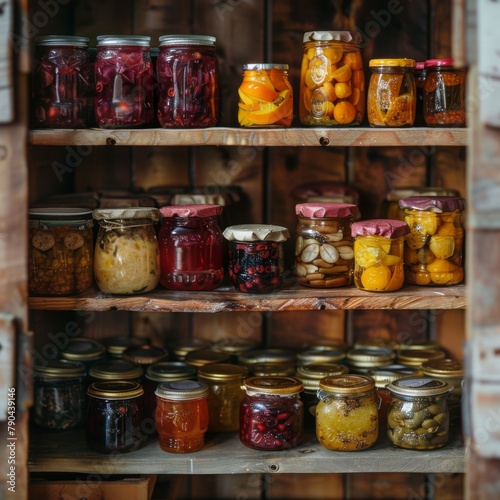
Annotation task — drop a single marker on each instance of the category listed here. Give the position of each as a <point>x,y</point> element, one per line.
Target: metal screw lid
<point>182,390</point>
<point>115,369</point>
<point>274,385</point>
<point>344,385</point>
<point>60,368</point>
<point>115,389</point>
<point>418,387</point>
<point>222,372</point>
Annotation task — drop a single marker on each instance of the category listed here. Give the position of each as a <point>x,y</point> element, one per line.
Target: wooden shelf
<point>224,136</point>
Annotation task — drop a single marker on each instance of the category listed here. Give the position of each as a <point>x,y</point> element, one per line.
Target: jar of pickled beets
<point>188,82</point>
<point>272,414</point>
<point>123,82</point>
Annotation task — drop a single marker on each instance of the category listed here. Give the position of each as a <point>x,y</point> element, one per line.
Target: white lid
<point>256,232</point>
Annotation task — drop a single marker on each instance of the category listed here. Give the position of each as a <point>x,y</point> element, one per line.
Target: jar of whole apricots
<point>332,81</point>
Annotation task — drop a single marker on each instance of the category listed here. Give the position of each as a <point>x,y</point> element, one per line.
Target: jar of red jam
<point>188,82</point>
<point>181,415</point>
<point>256,260</point>
<point>123,81</point>
<point>61,82</point>
<point>191,247</point>
<point>272,414</point>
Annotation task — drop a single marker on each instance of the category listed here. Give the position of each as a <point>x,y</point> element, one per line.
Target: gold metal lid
<point>417,357</point>
<point>376,344</point>
<point>347,384</point>
<point>182,348</point>
<point>145,355</point>
<point>393,63</point>
<point>443,368</point>
<point>115,389</point>
<point>203,357</point>
<point>117,345</point>
<point>82,349</point>
<point>320,356</point>
<point>388,373</point>
<point>274,385</point>
<point>235,346</point>
<point>60,368</point>
<point>115,369</point>
<point>272,369</point>
<point>273,355</point>
<point>167,371</point>
<point>419,344</point>
<point>182,390</point>
<point>418,387</point>
<point>370,357</point>
<point>313,373</point>
<point>222,372</point>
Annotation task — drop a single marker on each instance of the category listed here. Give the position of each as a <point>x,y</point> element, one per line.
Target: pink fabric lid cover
<point>389,228</point>
<point>191,210</point>
<point>322,210</point>
<point>433,203</point>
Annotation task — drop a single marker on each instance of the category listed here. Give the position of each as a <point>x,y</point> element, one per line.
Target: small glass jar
<point>116,346</point>
<point>202,357</point>
<point>114,416</point>
<point>347,413</point>
<point>272,414</point>
<point>256,259</point>
<point>191,247</point>
<point>433,248</point>
<point>181,415</point>
<point>85,351</point>
<point>415,357</point>
<point>265,96</point>
<point>61,251</point>
<point>61,82</point>
<point>225,394</point>
<point>188,82</point>
<point>116,369</point>
<point>145,355</point>
<point>363,359</point>
<point>332,80</point>
<point>444,94</point>
<point>123,82</point>
<point>392,93</point>
<point>378,254</point>
<point>59,395</point>
<point>324,256</point>
<point>420,74</point>
<point>418,417</point>
<point>127,259</point>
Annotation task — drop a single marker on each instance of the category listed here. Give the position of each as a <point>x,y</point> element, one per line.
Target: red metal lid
<point>322,210</point>
<point>433,203</point>
<point>191,210</point>
<point>389,228</point>
<point>435,63</point>
<point>419,66</point>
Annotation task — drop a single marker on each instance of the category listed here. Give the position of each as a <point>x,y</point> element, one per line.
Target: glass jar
<point>272,414</point>
<point>188,82</point>
<point>61,82</point>
<point>265,96</point>
<point>114,416</point>
<point>324,256</point>
<point>61,251</point>
<point>59,395</point>
<point>123,82</point>
<point>191,247</point>
<point>433,248</point>
<point>225,394</point>
<point>115,346</point>
<point>418,417</point>
<point>415,357</point>
<point>392,93</point>
<point>127,259</point>
<point>181,415</point>
<point>420,74</point>
<point>256,259</point>
<point>116,369</point>
<point>444,94</point>
<point>363,359</point>
<point>378,254</point>
<point>332,80</point>
<point>85,351</point>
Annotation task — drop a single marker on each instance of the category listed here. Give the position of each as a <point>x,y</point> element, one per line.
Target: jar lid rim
<point>61,367</point>
<point>418,386</point>
<point>256,232</point>
<point>66,40</point>
<point>187,39</point>
<point>257,66</point>
<point>135,40</point>
<point>55,213</point>
<point>401,62</point>
<point>279,385</point>
<point>182,390</point>
<point>347,384</point>
<point>126,213</point>
<point>115,389</point>
<point>328,36</point>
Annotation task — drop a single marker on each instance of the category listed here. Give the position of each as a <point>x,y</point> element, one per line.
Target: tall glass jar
<point>265,96</point>
<point>324,256</point>
<point>191,247</point>
<point>61,82</point>
<point>347,413</point>
<point>256,259</point>
<point>272,414</point>
<point>127,259</point>
<point>392,93</point>
<point>188,82</point>
<point>378,254</point>
<point>123,82</point>
<point>332,80</point>
<point>433,248</point>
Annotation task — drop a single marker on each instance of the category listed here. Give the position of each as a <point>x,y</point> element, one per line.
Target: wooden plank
<point>7,363</point>
<point>393,486</point>
<point>6,76</point>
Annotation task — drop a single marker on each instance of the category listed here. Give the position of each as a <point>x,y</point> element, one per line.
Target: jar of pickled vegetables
<point>420,74</point>
<point>418,417</point>
<point>61,82</point>
<point>392,93</point>
<point>181,415</point>
<point>272,414</point>
<point>433,248</point>
<point>191,247</point>
<point>123,82</point>
<point>363,359</point>
<point>378,254</point>
<point>256,259</point>
<point>116,369</point>
<point>347,413</point>
<point>127,259</point>
<point>332,80</point>
<point>265,96</point>
<point>61,251</point>
<point>85,351</point>
<point>324,256</point>
<point>188,82</point>
<point>444,94</point>
<point>114,416</point>
<point>225,394</point>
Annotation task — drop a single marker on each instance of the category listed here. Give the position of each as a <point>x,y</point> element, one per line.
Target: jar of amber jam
<point>378,254</point>
<point>272,414</point>
<point>188,81</point>
<point>392,93</point>
<point>347,413</point>
<point>265,96</point>
<point>191,247</point>
<point>332,80</point>
<point>433,248</point>
<point>61,82</point>
<point>324,256</point>
<point>186,398</point>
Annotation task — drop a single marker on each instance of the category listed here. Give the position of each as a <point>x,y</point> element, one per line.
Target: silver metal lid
<point>182,390</point>
<point>62,40</point>
<point>187,40</point>
<point>114,40</point>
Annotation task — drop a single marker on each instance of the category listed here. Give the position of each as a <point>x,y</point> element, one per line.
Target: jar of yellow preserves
<point>347,413</point>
